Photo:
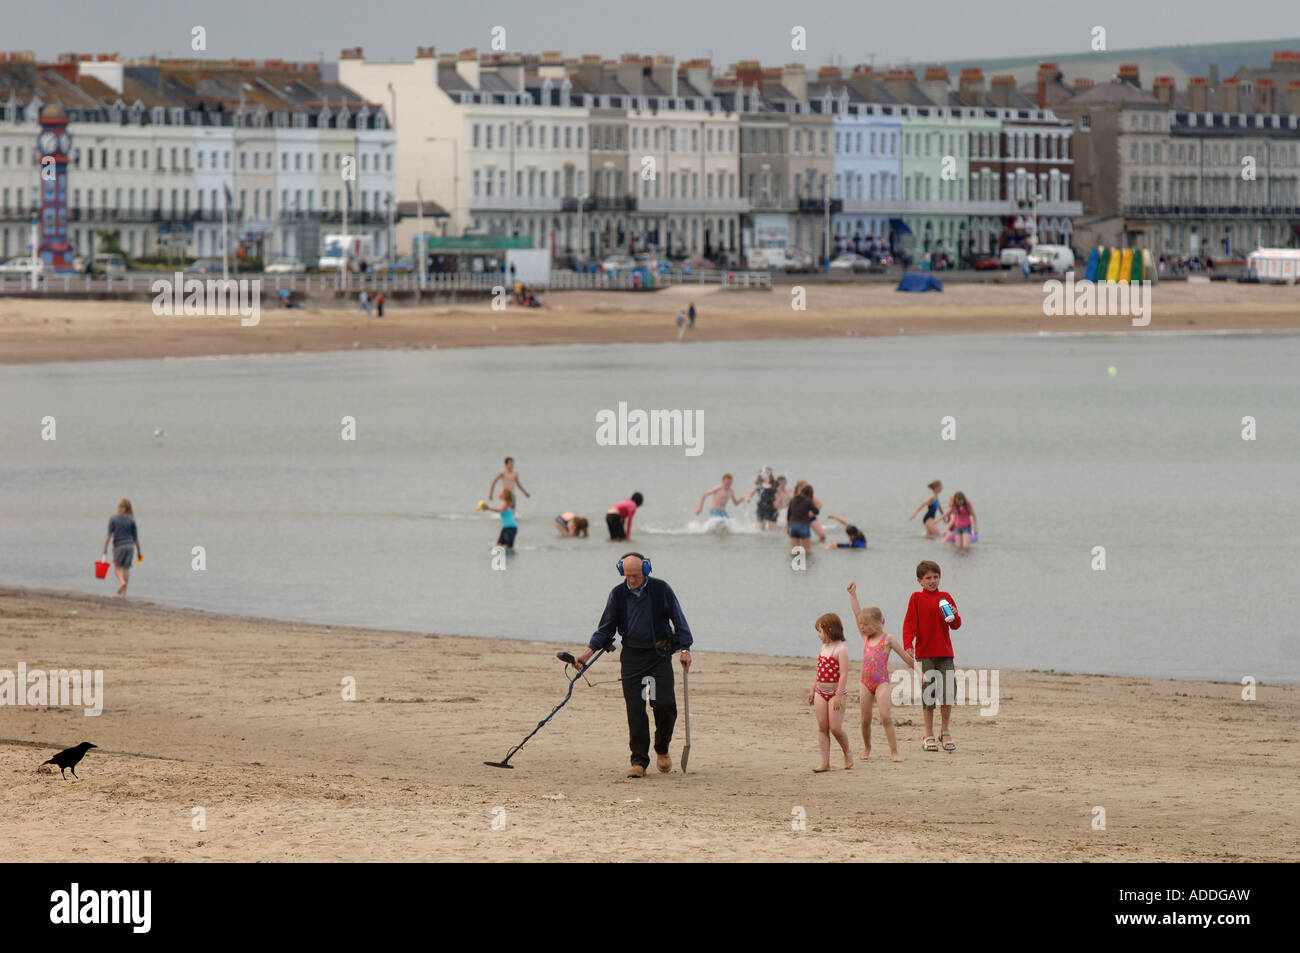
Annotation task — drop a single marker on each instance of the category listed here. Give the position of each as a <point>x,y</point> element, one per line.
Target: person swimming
<point>857,540</point>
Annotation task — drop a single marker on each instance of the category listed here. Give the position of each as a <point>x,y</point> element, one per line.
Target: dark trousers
<point>637,664</point>
<point>615,523</point>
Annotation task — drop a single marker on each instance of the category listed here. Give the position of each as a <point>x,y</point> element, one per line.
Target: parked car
<point>22,266</point>
<point>1013,257</point>
<point>985,262</point>
<point>851,262</point>
<point>403,266</point>
<point>205,266</point>
<point>108,263</point>
<point>286,266</point>
<point>617,264</point>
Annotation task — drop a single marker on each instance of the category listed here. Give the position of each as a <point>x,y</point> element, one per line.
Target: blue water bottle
<point>946,607</point>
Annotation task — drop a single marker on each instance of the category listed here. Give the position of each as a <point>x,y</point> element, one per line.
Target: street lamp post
<point>826,228</point>
<point>455,173</point>
<point>392,238</point>
<point>582,238</point>
<point>422,248</point>
<point>514,136</point>
<point>609,182</point>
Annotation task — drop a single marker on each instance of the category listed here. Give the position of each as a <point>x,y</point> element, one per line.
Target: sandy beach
<point>245,719</point>
<point>57,330</point>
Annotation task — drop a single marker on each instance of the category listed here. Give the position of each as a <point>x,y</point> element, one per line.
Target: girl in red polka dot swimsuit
<point>829,690</point>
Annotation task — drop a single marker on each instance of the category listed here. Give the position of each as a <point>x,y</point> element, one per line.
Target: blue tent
<point>917,281</point>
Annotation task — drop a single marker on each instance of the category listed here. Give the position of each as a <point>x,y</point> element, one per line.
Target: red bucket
<point>101,569</point>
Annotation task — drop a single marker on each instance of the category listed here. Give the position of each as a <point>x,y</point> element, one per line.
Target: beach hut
<point>1275,264</point>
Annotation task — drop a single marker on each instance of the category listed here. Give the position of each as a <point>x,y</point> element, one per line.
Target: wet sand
<point>245,719</point>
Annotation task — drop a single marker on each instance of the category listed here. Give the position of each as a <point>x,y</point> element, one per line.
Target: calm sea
<point>1058,456</point>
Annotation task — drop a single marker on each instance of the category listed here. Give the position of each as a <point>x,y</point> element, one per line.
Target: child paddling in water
<point>509,528</point>
<point>829,690</point>
<point>933,510</point>
<point>875,671</point>
<point>965,525</point>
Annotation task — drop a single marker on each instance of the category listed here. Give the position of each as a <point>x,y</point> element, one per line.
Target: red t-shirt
<point>925,625</point>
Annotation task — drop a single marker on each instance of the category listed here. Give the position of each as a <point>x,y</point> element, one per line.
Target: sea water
<point>1069,470</point>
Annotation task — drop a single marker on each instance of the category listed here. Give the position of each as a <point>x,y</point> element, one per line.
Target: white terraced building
<point>157,145</point>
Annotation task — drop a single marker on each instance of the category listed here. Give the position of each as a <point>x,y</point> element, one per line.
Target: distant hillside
<point>1180,62</point>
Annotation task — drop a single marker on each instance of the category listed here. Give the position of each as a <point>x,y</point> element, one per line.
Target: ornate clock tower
<point>54,146</point>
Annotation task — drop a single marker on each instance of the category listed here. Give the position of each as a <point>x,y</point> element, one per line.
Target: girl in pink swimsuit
<point>829,690</point>
<point>875,671</point>
<point>965,526</point>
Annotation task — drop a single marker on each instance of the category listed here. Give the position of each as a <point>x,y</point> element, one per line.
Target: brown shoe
<point>636,771</point>
<point>665,763</point>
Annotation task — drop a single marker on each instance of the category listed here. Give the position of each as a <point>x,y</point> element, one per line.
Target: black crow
<point>69,758</point>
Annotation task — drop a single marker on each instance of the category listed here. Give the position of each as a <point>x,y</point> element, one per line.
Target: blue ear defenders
<point>645,562</point>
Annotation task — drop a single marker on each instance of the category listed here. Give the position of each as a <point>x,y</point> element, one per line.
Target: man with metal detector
<point>645,612</point>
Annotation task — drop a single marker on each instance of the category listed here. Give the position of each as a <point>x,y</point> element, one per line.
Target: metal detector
<point>568,659</point>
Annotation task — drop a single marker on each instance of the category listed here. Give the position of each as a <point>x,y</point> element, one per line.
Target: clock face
<point>65,144</point>
<point>47,142</point>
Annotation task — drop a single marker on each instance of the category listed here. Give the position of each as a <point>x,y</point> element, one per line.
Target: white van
<point>1057,259</point>
<point>108,263</point>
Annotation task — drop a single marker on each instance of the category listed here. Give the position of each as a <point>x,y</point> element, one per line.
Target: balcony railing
<point>775,203</point>
<point>1211,211</point>
<point>335,217</point>
<point>661,204</point>
<point>517,203</point>
<point>814,206</point>
<point>144,216</point>
<point>616,203</point>
<point>1001,208</point>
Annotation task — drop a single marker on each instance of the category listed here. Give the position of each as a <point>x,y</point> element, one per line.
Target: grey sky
<point>928,30</point>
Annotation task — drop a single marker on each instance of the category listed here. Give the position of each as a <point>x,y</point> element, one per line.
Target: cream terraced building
<point>592,156</point>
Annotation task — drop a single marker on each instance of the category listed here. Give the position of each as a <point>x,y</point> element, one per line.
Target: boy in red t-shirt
<point>927,627</point>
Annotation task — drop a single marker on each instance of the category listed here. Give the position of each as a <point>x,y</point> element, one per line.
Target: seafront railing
<point>139,283</point>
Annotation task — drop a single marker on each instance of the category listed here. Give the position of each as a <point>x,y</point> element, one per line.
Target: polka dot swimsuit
<point>828,675</point>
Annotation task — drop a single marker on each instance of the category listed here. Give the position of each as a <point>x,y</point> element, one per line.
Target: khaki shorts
<point>939,688</point>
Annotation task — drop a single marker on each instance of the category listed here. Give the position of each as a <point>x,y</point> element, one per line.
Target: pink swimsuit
<point>828,676</point>
<point>875,665</point>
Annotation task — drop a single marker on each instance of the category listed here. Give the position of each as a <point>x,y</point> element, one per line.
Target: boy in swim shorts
<point>722,494</point>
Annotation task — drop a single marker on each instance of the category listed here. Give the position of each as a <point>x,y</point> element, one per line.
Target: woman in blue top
<point>508,525</point>
<point>126,543</point>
